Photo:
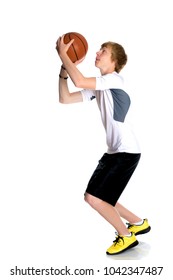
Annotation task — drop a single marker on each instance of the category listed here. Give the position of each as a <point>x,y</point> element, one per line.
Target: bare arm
<point>65,96</point>
<point>76,76</point>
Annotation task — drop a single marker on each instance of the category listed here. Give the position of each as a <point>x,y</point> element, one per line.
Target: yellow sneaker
<point>121,244</point>
<point>141,229</point>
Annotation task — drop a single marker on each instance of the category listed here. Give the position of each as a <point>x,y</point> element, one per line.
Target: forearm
<point>65,96</point>
<point>64,93</point>
<point>75,75</point>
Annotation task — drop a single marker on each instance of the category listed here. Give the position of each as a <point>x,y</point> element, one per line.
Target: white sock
<point>139,223</point>
<point>128,235</point>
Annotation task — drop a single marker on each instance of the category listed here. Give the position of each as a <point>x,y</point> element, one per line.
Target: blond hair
<point>118,54</point>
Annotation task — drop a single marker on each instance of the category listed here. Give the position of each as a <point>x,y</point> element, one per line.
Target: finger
<point>70,43</point>
<point>79,61</point>
<point>58,41</point>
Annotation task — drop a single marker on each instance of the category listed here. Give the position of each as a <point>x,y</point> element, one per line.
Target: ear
<point>115,64</point>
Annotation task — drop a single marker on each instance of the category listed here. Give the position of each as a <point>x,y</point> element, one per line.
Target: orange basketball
<point>79,48</point>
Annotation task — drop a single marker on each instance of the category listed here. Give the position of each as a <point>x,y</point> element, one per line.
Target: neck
<point>107,70</point>
<point>104,72</point>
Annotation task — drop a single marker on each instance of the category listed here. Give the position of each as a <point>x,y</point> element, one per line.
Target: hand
<point>79,61</point>
<point>61,47</point>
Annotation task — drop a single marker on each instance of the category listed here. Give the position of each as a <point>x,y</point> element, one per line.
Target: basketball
<point>78,48</point>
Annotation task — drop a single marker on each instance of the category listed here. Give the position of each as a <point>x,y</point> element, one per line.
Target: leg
<point>108,212</point>
<point>126,214</point>
<point>140,228</point>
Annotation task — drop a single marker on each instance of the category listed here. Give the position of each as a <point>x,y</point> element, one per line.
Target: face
<point>104,61</point>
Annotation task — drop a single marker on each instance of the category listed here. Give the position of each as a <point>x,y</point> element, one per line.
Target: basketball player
<point>118,163</point>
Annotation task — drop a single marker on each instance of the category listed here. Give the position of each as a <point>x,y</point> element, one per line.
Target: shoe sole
<point>130,246</point>
<point>143,231</point>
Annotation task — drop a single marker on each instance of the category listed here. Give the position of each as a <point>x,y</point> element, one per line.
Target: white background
<point>48,151</point>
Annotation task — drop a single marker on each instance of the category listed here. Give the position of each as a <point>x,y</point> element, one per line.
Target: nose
<point>97,54</point>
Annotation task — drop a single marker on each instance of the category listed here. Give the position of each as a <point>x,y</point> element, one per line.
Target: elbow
<point>63,101</point>
<point>79,83</point>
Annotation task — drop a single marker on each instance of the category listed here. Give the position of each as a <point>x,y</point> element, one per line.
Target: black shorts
<point>112,175</point>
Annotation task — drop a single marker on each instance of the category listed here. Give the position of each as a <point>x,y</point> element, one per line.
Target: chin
<point>96,63</point>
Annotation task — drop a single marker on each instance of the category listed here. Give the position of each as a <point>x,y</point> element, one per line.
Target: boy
<point>117,165</point>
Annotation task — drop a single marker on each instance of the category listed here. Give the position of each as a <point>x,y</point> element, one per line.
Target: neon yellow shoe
<point>141,229</point>
<point>121,244</point>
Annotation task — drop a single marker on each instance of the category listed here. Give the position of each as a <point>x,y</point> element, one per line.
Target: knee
<point>88,198</point>
<point>92,200</point>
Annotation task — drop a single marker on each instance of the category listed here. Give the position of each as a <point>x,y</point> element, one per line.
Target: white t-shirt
<point>114,103</point>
